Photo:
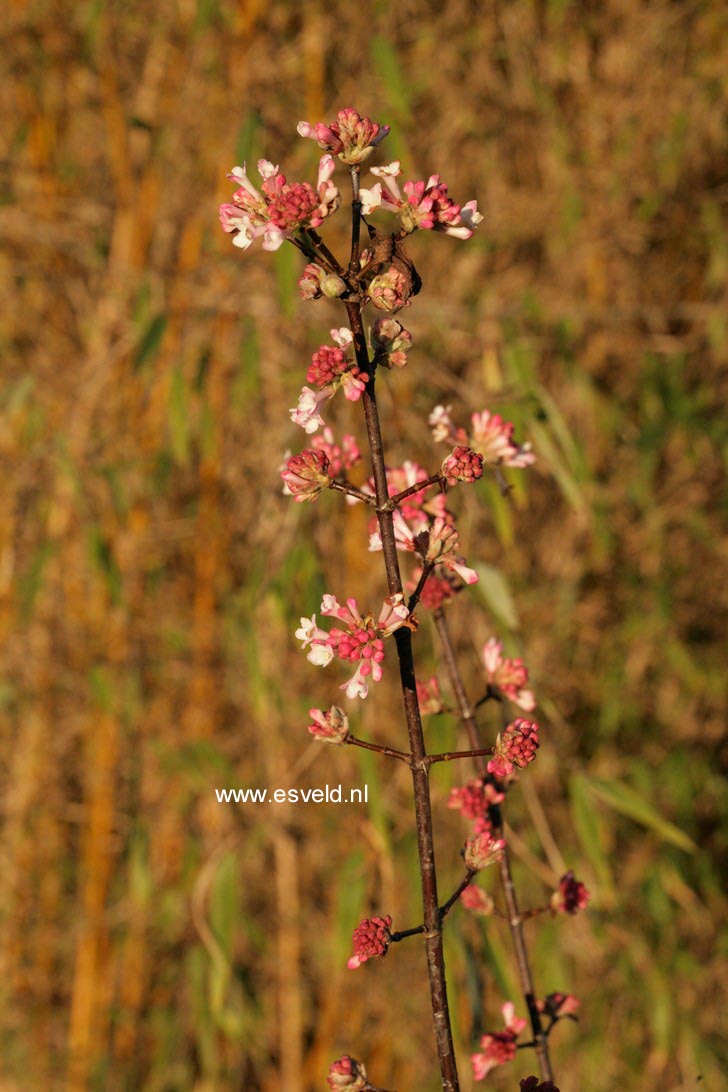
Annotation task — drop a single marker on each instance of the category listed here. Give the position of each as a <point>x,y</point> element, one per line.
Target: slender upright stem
<point>515,918</point>
<point>403,640</point>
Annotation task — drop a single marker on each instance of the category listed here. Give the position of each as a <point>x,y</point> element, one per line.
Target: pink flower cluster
<point>341,457</point>
<point>463,465</point>
<point>307,474</point>
<point>331,727</point>
<point>498,1047</point>
<point>490,436</point>
<point>347,1073</point>
<point>424,205</point>
<point>439,587</point>
<point>474,800</point>
<point>570,895</point>
<point>390,342</point>
<point>509,677</point>
<point>371,938</point>
<point>516,747</point>
<point>436,544</point>
<point>429,697</point>
<point>282,209</point>
<point>330,368</point>
<point>477,900</point>
<point>351,137</point>
<point>360,643</point>
<point>482,850</point>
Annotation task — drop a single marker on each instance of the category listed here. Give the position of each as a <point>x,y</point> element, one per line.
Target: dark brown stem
<point>415,597</point>
<point>403,641</point>
<point>355,221</point>
<point>325,253</point>
<point>402,934</point>
<point>389,752</point>
<point>515,918</point>
<point>445,909</point>
<point>450,756</point>
<point>434,479</point>
<point>352,491</point>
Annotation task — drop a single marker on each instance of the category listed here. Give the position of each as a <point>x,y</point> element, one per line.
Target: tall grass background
<point>151,573</point>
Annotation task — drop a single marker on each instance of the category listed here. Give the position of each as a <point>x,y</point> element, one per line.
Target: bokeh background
<point>152,574</point>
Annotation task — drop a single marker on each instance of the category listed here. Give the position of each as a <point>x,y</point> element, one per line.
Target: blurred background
<point>152,574</point>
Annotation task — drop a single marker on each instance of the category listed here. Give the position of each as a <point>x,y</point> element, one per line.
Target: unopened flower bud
<point>463,465</point>
<point>570,895</point>
<point>310,283</point>
<point>331,727</point>
<point>347,1073</point>
<point>371,938</point>
<point>477,900</point>
<point>483,850</point>
<point>333,286</point>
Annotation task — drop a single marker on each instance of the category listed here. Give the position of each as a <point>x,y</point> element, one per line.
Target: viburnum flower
<point>429,696</point>
<point>474,799</point>
<point>558,1004</point>
<point>341,457</point>
<point>570,895</point>
<point>490,436</point>
<point>371,939</point>
<point>282,209</point>
<point>482,850</point>
<point>516,747</point>
<point>442,543</point>
<point>531,1084</point>
<point>477,900</point>
<point>361,642</point>
<point>463,465</point>
<point>509,676</point>
<point>331,727</point>
<point>347,1073</point>
<point>307,412</point>
<point>390,290</point>
<point>315,281</point>
<point>498,1047</point>
<point>391,342</point>
<point>351,137</point>
<point>424,205</point>
<point>307,474</point>
<point>330,368</point>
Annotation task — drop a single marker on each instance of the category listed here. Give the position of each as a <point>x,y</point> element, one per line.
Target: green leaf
<point>633,805</point>
<point>588,826</point>
<point>493,586</point>
<point>150,341</point>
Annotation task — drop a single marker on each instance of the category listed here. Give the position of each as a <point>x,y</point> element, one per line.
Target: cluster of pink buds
<point>315,281</point>
<point>351,137</point>
<point>516,747</point>
<point>490,436</point>
<point>463,465</point>
<point>390,290</point>
<point>307,474</point>
<point>477,900</point>
<point>371,938</point>
<point>429,697</point>
<point>360,643</point>
<point>482,850</point>
<point>347,1073</point>
<point>509,677</point>
<point>341,456</point>
<point>331,727</point>
<point>532,1084</point>
<point>330,368</point>
<point>282,210</point>
<point>570,895</point>
<point>474,800</point>
<point>424,205</point>
<point>390,342</point>
<point>498,1047</point>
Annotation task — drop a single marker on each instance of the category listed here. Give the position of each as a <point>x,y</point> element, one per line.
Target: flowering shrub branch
<point>407,518</point>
